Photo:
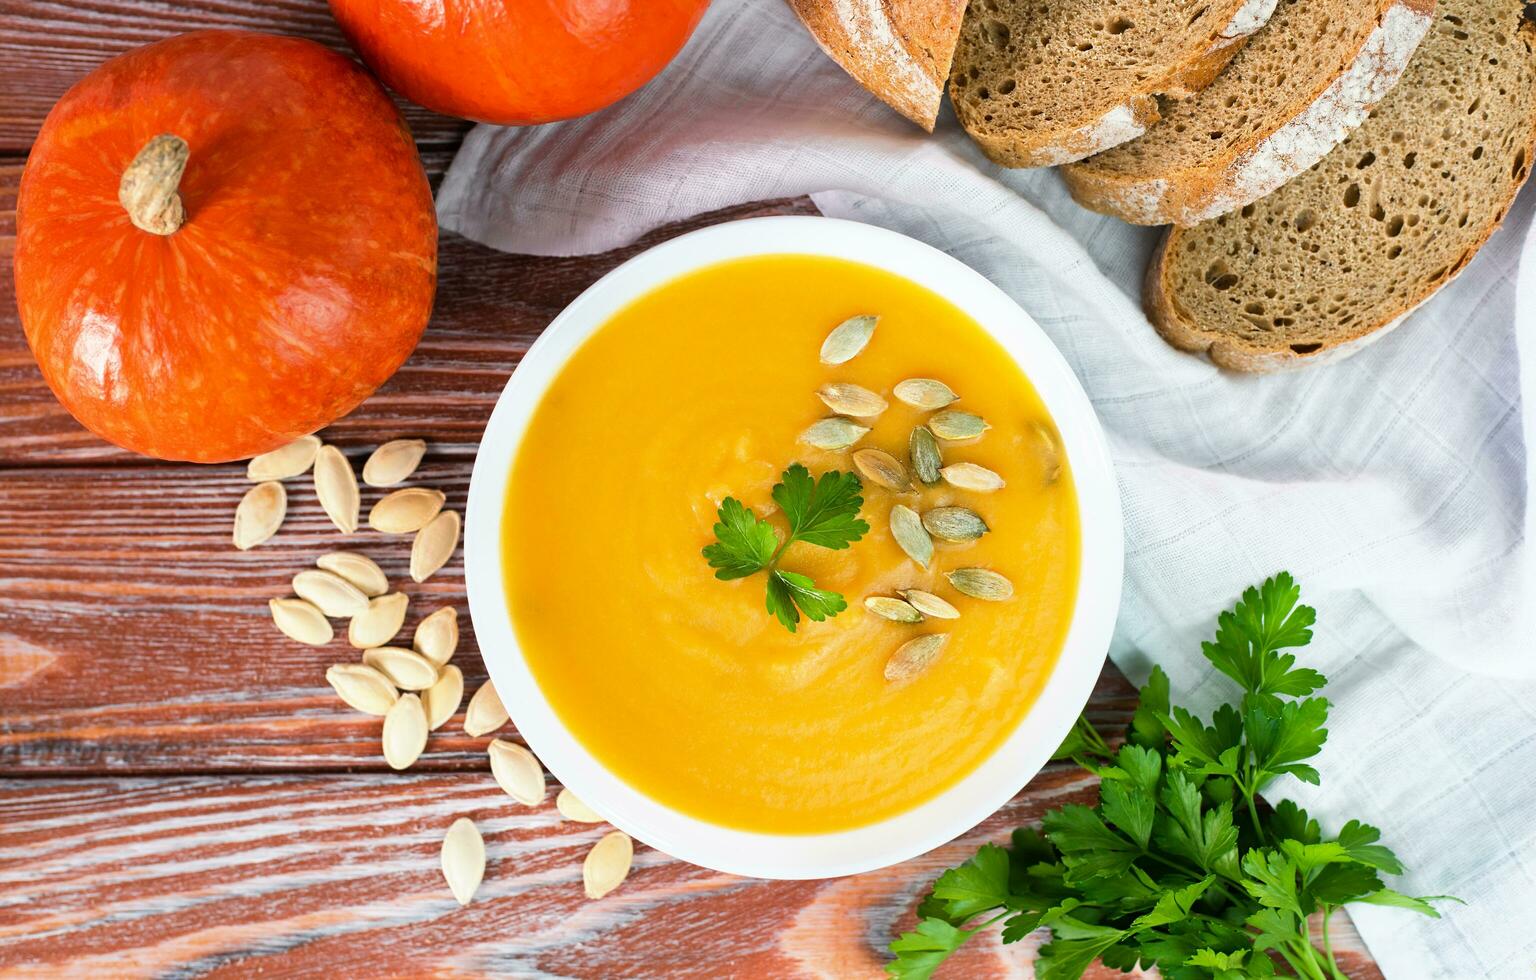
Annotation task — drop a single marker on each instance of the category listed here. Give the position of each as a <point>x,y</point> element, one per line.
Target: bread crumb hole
<point>1394,251</point>
<point>1305,220</point>
<point>1257,309</point>
<point>1305,349</point>
<point>1006,87</point>
<point>1518,170</point>
<point>1395,227</point>
<point>1219,277</point>
<point>1351,195</point>
<point>1248,210</point>
<point>1120,25</point>
<point>997,33</point>
<point>1477,153</point>
<point>1409,160</point>
<point>1366,160</point>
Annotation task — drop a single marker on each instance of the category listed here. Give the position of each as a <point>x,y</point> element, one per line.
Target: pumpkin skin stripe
<point>302,277</point>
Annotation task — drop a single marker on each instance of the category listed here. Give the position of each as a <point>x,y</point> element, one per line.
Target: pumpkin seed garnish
<point>517,772</point>
<point>393,462</point>
<point>406,511</point>
<point>362,688</point>
<point>607,864</point>
<point>283,462</point>
<point>895,610</point>
<point>930,605</point>
<point>300,620</point>
<point>980,583</point>
<point>360,570</point>
<point>336,486</point>
<point>485,713</point>
<point>834,433</point>
<point>882,469</point>
<point>331,594</point>
<point>405,732</point>
<point>847,399</point>
<point>259,514</point>
<point>437,636</point>
<point>954,524</point>
<point>376,626</point>
<point>1050,451</point>
<point>571,808</point>
<point>924,393</point>
<point>434,545</point>
<point>463,859</point>
<point>952,425</point>
<point>907,529</point>
<point>923,449</point>
<point>847,339</point>
<point>406,669</point>
<point>969,476</point>
<point>914,656</point>
<point>442,699</point>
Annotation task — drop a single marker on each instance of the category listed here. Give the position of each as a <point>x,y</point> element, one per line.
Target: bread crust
<point>1260,165</point>
<point>900,50</point>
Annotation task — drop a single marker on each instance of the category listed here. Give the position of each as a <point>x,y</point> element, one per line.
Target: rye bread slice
<point>1296,89</point>
<point>1038,83</point>
<point>1340,255</point>
<point>900,50</point>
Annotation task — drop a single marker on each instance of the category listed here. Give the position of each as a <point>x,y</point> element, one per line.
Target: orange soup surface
<point>683,685</point>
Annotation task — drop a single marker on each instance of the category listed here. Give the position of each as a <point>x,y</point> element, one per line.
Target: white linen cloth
<point>1392,485</point>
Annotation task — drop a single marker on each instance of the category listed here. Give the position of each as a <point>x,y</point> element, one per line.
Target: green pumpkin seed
<point>980,583</point>
<point>923,449</point>
<point>954,524</point>
<point>930,605</point>
<point>907,529</point>
<point>847,339</point>
<point>969,476</point>
<point>1049,448</point>
<point>925,393</point>
<point>893,609</point>
<point>854,400</point>
<point>834,433</point>
<point>883,469</point>
<point>914,656</point>
<point>953,424</point>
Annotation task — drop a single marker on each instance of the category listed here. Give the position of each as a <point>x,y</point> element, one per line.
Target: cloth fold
<point>1392,485</point>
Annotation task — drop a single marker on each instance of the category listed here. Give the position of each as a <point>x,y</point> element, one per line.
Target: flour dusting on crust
<point>1119,125</point>
<point>862,38</point>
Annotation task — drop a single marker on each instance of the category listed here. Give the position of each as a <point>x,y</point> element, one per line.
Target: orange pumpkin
<point>517,62</point>
<point>225,240</point>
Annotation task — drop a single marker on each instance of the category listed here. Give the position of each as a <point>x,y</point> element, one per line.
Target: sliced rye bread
<point>1340,255</point>
<point>1037,83</point>
<point>1295,90</point>
<point>900,50</point>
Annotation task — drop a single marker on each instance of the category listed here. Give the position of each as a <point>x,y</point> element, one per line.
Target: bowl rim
<point>1002,774</point>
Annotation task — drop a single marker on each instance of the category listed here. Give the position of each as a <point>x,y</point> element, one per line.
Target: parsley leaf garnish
<point>822,512</point>
<point>1181,864</point>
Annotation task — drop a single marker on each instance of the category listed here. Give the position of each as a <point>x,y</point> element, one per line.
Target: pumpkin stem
<point>148,188</point>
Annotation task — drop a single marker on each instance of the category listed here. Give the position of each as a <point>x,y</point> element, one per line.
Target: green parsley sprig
<point>822,512</point>
<point>1181,864</point>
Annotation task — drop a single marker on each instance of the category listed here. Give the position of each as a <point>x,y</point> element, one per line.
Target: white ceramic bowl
<point>996,780</point>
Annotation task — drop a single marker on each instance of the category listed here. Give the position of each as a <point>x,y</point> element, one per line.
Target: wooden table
<point>180,791</point>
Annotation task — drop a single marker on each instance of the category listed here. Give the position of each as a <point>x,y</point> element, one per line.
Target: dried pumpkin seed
<point>300,620</point>
<point>980,583</point>
<point>294,459</point>
<point>259,514</point>
<point>882,469</point>
<point>923,450</point>
<point>362,688</point>
<point>952,425</point>
<point>360,570</point>
<point>896,610</point>
<point>405,732</point>
<point>336,486</point>
<point>393,462</point>
<point>854,400</point>
<point>463,859</point>
<point>847,339</point>
<point>379,624</point>
<point>607,864</point>
<point>331,594</point>
<point>925,394</point>
<point>833,434</point>
<point>517,772</point>
<point>485,713</point>
<point>907,529</point>
<point>406,511</point>
<point>406,669</point>
<point>969,476</point>
<point>1049,447</point>
<point>930,605</point>
<point>437,636</point>
<point>434,545</point>
<point>442,699</point>
<point>571,808</point>
<point>954,523</point>
<point>914,656</point>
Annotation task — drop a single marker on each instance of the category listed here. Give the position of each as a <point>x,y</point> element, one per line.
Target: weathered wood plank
<point>48,45</point>
<point>307,875</point>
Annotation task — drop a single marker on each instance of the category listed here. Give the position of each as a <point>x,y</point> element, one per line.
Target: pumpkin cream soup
<point>685,685</point>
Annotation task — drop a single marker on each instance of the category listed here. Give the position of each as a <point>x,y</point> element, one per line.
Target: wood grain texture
<point>304,875</point>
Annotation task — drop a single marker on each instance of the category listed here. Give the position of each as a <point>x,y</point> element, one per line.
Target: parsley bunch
<point>822,512</point>
<point>1181,864</point>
